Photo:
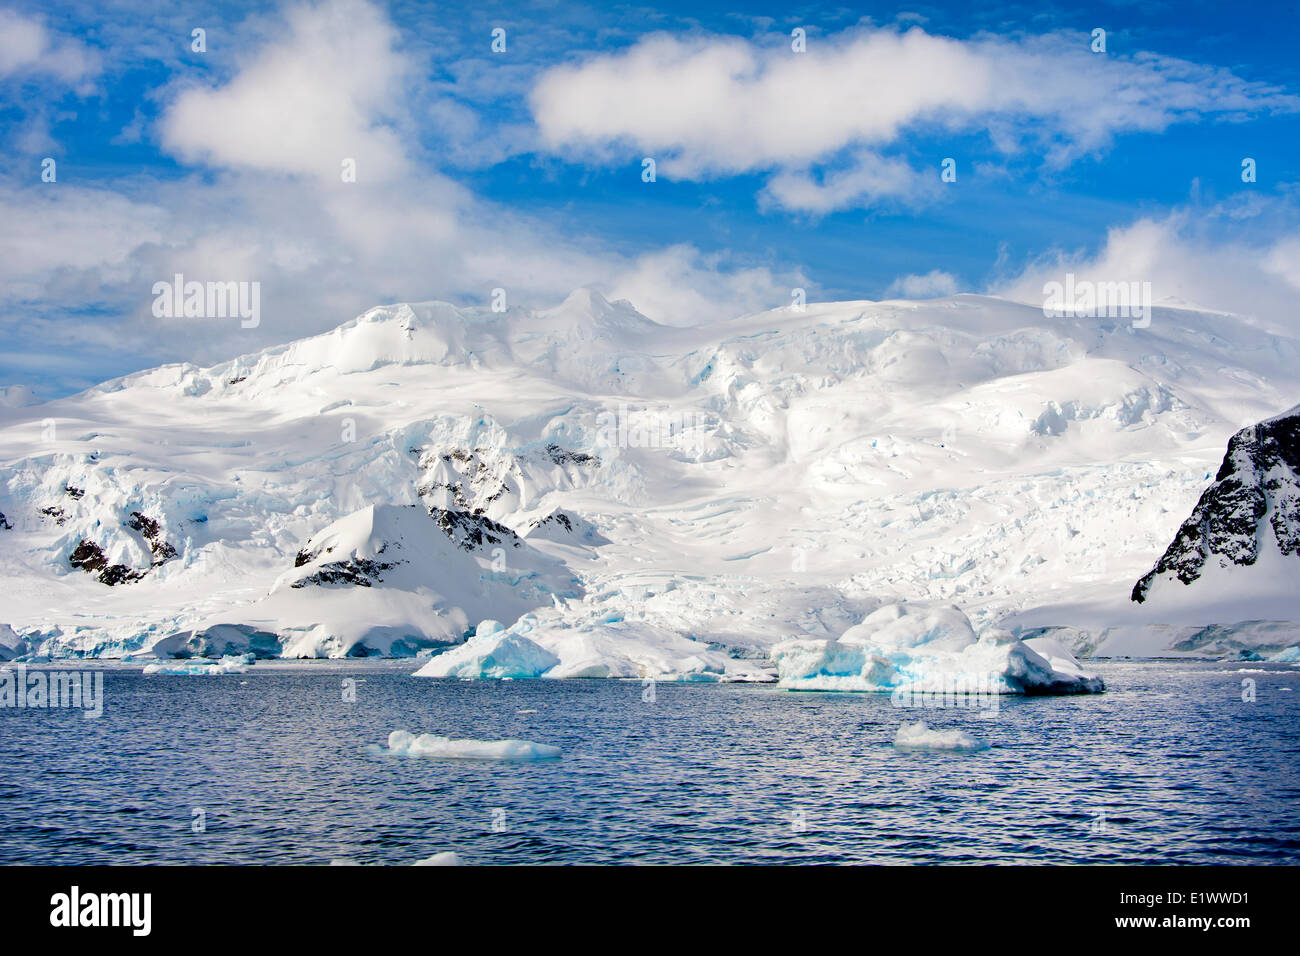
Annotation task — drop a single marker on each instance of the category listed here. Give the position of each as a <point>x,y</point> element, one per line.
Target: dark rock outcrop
<point>1255,495</point>
<point>89,557</point>
<point>359,572</point>
<point>471,531</point>
<point>150,529</point>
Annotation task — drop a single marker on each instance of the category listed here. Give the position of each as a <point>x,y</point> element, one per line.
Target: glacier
<point>732,501</point>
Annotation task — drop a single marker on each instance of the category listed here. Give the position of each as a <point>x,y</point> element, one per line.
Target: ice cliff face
<point>1251,511</point>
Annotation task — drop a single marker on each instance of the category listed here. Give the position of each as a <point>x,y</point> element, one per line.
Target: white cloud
<point>871,179</point>
<point>69,230</point>
<point>322,255</point>
<point>680,286</point>
<point>1283,261</point>
<point>710,106</point>
<point>323,94</point>
<point>932,285</point>
<point>324,250</point>
<point>28,47</point>
<point>1251,272</point>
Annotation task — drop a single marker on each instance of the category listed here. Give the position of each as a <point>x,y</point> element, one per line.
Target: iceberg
<point>928,649</point>
<point>547,646</point>
<point>919,736</point>
<point>429,745</point>
<point>491,653</point>
<point>1288,655</point>
<point>202,667</point>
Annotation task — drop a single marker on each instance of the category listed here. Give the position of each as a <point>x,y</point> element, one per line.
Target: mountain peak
<point>589,306</point>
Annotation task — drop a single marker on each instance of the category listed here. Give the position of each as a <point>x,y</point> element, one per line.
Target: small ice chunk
<point>919,736</point>
<point>430,745</point>
<point>439,859</point>
<point>202,666</point>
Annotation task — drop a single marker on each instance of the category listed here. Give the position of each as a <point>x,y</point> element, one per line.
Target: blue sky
<point>522,170</point>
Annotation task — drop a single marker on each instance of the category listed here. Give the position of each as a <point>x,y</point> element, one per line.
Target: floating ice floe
<point>930,649</point>
<point>919,736</point>
<point>202,667</point>
<point>448,858</point>
<point>430,745</point>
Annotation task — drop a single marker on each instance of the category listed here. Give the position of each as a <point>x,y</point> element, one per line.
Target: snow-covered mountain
<point>661,500</point>
<point>1243,537</point>
<point>388,579</point>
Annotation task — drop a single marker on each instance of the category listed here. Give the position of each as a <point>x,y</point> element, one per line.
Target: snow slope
<point>724,488</point>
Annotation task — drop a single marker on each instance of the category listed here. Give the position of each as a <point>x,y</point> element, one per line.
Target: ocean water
<point>274,766</point>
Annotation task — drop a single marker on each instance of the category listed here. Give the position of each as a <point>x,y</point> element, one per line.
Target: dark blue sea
<point>1170,765</point>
